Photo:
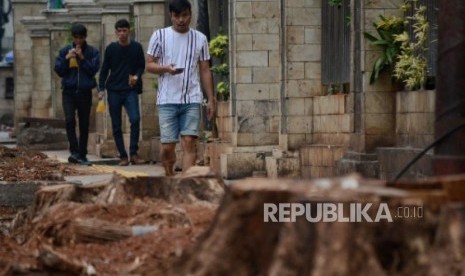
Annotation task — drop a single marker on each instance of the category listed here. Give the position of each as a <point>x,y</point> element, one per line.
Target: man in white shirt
<point>180,56</point>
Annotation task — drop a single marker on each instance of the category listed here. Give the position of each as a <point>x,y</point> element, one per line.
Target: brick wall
<point>303,70</point>
<point>256,78</point>
<point>23,56</point>
<point>415,118</point>
<point>377,100</point>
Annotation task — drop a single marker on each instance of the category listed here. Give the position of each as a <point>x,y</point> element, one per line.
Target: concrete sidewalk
<point>102,169</point>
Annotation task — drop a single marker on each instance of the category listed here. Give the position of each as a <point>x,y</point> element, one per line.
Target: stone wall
<point>303,70</point>
<point>377,101</point>
<point>256,75</point>
<point>415,118</point>
<point>148,17</point>
<point>23,55</point>
<point>41,32</point>
<point>332,126</point>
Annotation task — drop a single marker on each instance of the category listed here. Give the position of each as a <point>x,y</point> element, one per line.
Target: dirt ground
<point>86,234</point>
<point>19,164</point>
<point>170,226</point>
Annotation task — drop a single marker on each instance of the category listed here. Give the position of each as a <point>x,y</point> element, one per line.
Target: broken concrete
<point>43,137</point>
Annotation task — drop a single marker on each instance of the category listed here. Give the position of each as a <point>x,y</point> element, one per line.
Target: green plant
<point>69,36</point>
<point>335,3</point>
<point>404,55</point>
<point>411,64</point>
<point>218,48</point>
<point>387,29</point>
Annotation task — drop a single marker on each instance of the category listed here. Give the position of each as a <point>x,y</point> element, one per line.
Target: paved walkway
<point>102,169</point>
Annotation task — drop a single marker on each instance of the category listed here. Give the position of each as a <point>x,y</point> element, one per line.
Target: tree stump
<point>240,239</point>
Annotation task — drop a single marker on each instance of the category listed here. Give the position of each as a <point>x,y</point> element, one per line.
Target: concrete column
<point>149,16</point>
<point>256,73</point>
<point>41,84</point>
<point>23,56</point>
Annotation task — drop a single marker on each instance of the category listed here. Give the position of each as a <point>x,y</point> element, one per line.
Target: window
<point>335,52</point>
<point>9,88</point>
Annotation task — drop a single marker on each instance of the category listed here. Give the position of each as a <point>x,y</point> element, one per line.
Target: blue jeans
<point>178,119</point>
<point>80,102</point>
<point>130,101</point>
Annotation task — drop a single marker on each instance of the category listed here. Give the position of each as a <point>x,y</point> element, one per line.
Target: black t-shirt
<point>120,62</point>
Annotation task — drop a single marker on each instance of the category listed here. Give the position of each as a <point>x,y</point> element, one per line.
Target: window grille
<point>335,51</point>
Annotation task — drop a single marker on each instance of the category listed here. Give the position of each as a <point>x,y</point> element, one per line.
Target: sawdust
<point>45,238</point>
<point>20,164</point>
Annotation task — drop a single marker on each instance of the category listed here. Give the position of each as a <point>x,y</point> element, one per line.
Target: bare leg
<point>168,158</point>
<point>188,146</point>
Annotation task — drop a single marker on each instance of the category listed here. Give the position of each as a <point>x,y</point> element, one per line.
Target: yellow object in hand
<point>73,63</point>
<point>101,106</point>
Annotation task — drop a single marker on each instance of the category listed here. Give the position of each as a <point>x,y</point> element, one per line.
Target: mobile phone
<point>179,70</point>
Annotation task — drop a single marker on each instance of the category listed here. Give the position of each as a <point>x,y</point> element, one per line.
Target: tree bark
<point>240,240</point>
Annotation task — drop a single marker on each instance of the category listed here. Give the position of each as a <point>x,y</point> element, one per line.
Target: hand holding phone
<point>178,70</point>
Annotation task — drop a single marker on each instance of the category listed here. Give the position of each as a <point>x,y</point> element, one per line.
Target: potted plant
<point>218,49</point>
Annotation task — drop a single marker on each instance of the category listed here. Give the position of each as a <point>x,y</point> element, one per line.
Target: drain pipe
<point>449,156</point>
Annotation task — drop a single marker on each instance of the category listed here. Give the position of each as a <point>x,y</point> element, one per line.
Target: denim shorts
<point>178,119</point>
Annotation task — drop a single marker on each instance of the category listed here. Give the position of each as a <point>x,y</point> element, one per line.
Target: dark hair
<point>122,23</point>
<point>78,29</point>
<point>178,6</point>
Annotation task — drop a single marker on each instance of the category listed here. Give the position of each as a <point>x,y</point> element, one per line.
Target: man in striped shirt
<point>180,56</point>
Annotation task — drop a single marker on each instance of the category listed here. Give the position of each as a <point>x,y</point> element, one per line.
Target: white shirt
<point>185,50</point>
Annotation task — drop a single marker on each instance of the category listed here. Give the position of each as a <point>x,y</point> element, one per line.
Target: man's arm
<point>152,66</point>
<point>104,71</point>
<point>91,66</point>
<point>207,84</point>
<point>140,63</point>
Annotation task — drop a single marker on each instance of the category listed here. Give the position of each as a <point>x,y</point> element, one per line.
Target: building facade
<point>292,111</point>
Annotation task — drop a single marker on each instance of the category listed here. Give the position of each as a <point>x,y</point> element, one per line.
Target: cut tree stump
<point>240,240</point>
<point>47,217</point>
<point>195,186</point>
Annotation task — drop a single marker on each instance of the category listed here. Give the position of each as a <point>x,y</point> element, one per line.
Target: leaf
<point>379,64</point>
<point>389,55</point>
<point>381,42</point>
<point>370,37</point>
<point>375,73</point>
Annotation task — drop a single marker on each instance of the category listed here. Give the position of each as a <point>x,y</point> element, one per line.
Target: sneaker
<point>135,160</point>
<point>85,162</point>
<point>74,158</point>
<point>123,162</point>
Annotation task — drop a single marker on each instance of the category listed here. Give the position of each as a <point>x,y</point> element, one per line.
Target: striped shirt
<point>185,50</point>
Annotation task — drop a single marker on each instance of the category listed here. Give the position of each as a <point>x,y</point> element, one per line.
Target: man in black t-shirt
<point>120,76</point>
